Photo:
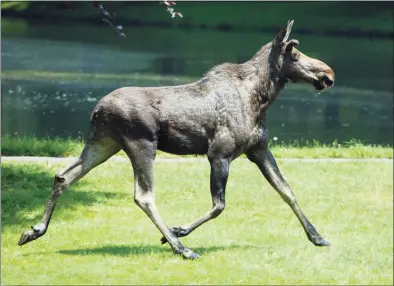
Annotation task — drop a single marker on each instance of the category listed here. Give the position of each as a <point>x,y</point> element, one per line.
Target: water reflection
<point>49,109</point>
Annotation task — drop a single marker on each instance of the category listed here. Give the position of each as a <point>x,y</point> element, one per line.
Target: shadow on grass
<point>122,250</point>
<point>26,188</point>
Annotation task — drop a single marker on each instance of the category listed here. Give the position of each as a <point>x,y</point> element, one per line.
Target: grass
<point>31,146</point>
<point>99,236</point>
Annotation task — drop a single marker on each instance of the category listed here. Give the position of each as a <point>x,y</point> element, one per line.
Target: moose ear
<point>284,34</point>
<point>292,43</point>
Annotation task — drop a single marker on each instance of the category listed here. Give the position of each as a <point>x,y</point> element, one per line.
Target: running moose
<point>222,115</point>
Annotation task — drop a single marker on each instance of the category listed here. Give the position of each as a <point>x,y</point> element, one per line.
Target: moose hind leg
<point>142,153</point>
<point>93,154</point>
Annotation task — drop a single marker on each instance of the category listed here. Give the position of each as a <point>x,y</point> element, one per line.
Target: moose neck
<point>266,82</point>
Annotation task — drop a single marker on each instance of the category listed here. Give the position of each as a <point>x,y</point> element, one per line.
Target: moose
<point>222,115</point>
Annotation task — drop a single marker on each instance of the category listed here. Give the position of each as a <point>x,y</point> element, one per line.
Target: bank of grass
<point>56,147</point>
<point>99,236</point>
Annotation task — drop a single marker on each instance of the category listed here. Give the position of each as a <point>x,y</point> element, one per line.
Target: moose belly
<point>182,141</point>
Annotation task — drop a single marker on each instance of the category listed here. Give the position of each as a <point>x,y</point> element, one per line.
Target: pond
<point>54,74</point>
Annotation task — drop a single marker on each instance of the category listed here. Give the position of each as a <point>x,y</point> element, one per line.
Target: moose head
<point>296,66</point>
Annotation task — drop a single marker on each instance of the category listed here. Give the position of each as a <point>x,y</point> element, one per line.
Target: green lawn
<point>99,236</point>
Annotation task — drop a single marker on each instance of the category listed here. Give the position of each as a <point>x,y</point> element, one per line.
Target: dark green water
<point>59,103</point>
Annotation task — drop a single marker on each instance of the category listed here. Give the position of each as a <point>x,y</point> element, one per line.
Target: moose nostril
<point>327,81</point>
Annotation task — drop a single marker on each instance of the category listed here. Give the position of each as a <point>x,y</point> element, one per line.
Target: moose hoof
<point>178,232</point>
<point>321,242</point>
<point>188,254</point>
<point>30,235</point>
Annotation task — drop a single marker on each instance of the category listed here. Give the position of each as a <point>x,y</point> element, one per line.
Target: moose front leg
<point>264,159</point>
<point>218,181</point>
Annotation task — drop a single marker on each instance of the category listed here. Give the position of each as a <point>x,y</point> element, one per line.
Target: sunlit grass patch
<point>314,149</point>
<point>32,146</point>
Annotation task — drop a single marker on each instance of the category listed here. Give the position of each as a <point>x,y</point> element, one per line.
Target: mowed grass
<point>59,147</point>
<point>99,236</point>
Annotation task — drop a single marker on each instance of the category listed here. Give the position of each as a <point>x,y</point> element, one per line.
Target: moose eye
<point>295,56</point>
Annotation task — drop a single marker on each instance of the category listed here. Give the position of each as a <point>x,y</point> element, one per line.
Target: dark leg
<point>94,154</point>
<point>218,181</point>
<point>264,159</point>
<point>142,155</point>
